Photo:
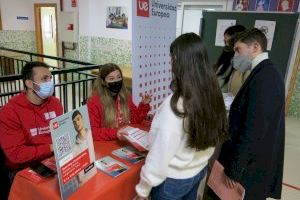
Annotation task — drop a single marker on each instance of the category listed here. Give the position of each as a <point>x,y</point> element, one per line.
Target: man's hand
<point>230,183</point>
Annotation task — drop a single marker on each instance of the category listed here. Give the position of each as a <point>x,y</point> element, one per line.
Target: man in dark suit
<point>254,154</point>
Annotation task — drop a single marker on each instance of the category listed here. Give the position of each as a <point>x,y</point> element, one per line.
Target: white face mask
<point>46,89</point>
<point>241,63</point>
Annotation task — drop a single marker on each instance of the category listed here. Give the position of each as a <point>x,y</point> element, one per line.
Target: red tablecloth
<point>101,186</point>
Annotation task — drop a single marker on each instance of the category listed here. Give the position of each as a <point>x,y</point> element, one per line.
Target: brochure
<point>111,166</point>
<point>129,154</point>
<point>137,137</point>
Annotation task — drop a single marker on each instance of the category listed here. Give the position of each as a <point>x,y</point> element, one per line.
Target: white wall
<point>84,17</point>
<point>10,9</point>
<point>92,19</point>
<point>67,5</point>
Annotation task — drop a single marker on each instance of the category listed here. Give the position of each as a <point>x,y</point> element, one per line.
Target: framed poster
<point>117,17</point>
<point>285,5</point>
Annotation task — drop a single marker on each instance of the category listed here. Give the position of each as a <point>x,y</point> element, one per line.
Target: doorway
<point>189,15</point>
<point>46,31</point>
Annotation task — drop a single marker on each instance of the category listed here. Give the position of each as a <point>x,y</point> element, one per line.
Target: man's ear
<point>256,47</point>
<point>29,83</point>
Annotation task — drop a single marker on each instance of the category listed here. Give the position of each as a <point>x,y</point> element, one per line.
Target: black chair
<point>4,177</point>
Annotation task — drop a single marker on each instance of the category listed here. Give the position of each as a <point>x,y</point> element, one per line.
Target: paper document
<point>222,25</point>
<point>129,154</point>
<point>228,99</point>
<point>111,166</point>
<point>137,137</point>
<point>268,28</point>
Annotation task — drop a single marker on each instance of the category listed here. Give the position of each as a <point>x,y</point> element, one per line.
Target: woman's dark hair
<point>195,82</point>
<point>232,31</point>
<point>225,58</point>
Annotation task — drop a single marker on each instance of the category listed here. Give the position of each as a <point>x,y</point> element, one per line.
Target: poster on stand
<point>73,149</point>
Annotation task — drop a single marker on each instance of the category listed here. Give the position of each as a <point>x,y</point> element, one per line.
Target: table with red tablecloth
<point>101,186</point>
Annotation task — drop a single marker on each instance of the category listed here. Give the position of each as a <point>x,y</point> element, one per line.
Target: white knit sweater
<point>169,155</point>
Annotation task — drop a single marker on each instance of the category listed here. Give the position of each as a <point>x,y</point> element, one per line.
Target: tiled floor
<point>291,174</point>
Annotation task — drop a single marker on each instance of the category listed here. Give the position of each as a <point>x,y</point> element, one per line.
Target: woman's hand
<point>141,198</point>
<point>120,134</point>
<point>146,98</point>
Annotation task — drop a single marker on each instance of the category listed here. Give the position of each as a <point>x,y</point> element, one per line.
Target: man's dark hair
<point>253,35</point>
<point>75,113</point>
<point>27,70</point>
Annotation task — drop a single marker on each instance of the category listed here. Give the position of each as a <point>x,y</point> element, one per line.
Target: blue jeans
<point>178,189</point>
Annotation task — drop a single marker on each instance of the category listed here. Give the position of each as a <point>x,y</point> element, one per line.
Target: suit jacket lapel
<point>250,77</point>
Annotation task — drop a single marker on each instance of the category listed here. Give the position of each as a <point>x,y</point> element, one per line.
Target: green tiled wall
<point>294,109</point>
<point>100,50</point>
<point>96,50</point>
<point>104,50</point>
<point>20,40</point>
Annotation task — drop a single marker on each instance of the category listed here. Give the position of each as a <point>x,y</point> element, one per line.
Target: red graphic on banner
<point>143,8</point>
<point>55,125</point>
<point>74,166</point>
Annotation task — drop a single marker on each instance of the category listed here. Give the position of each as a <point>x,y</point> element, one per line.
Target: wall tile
<point>20,40</point>
<point>294,109</point>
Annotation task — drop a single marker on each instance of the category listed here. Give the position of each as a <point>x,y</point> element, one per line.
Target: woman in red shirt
<point>110,106</point>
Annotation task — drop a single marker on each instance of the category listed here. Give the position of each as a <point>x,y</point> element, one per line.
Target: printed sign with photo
<point>73,149</point>
<point>262,5</point>
<point>117,17</point>
<point>241,5</point>
<point>285,5</point>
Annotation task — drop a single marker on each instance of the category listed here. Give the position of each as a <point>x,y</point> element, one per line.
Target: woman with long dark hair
<point>187,126</point>
<point>223,67</point>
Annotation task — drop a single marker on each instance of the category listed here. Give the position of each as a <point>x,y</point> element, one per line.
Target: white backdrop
<point>152,35</point>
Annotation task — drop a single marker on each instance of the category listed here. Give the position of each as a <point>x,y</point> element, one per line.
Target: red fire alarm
<point>70,27</point>
<point>74,3</point>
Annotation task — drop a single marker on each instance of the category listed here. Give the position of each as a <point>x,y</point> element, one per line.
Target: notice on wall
<point>222,25</point>
<point>268,28</point>
<point>154,29</point>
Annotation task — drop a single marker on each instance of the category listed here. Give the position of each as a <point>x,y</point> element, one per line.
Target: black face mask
<point>115,87</point>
